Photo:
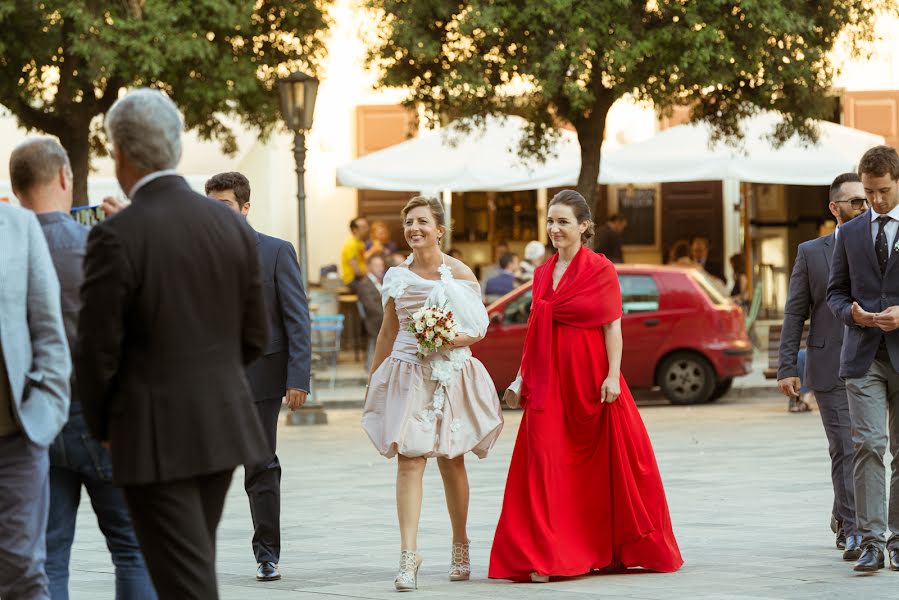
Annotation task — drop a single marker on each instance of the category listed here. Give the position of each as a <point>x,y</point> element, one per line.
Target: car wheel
<point>686,378</point>
<point>722,387</point>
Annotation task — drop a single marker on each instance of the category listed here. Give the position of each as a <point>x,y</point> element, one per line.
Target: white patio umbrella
<point>452,160</point>
<point>683,153</point>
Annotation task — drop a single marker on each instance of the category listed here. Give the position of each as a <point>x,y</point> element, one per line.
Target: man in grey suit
<point>864,293</point>
<point>34,399</point>
<point>808,298</point>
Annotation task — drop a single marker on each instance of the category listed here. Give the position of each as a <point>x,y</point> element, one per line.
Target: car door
<point>500,350</point>
<point>643,327</point>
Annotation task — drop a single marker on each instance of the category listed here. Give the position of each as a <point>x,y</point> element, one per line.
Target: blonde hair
<point>433,205</point>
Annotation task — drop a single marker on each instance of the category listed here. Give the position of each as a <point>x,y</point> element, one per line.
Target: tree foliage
<point>64,62</point>
<point>570,60</point>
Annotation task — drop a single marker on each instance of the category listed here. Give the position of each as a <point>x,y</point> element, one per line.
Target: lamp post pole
<point>297,94</point>
<point>299,155</point>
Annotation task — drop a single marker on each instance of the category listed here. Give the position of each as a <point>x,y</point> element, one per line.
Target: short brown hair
<point>233,181</point>
<point>578,205</point>
<point>36,161</point>
<point>880,161</point>
<point>433,204</point>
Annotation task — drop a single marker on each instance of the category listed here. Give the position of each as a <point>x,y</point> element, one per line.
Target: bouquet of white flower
<point>434,329</point>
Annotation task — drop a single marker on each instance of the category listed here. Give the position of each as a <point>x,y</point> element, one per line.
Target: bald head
<point>41,175</point>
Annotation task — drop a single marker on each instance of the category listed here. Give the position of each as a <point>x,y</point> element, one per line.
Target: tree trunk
<point>76,141</point>
<point>590,131</point>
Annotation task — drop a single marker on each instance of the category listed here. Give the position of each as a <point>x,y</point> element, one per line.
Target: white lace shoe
<point>407,579</point>
<point>460,565</point>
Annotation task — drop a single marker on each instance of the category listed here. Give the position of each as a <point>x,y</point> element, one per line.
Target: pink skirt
<point>399,417</point>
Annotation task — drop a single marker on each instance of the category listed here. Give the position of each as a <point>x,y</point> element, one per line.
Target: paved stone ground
<point>748,486</point>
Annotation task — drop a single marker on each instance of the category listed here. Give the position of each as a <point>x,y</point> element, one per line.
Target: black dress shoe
<point>853,547</point>
<point>894,559</point>
<point>268,571</point>
<point>841,539</point>
<point>871,559</point>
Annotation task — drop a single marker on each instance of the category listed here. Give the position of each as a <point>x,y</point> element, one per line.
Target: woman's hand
<point>611,389</point>
<point>512,399</point>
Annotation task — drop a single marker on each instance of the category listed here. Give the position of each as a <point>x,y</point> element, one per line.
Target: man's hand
<point>789,386</point>
<point>111,205</point>
<point>862,317</point>
<point>296,398</point>
<point>512,399</point>
<point>888,320</point>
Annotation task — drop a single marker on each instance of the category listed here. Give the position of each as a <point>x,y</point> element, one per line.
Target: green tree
<point>64,62</point>
<point>570,60</point>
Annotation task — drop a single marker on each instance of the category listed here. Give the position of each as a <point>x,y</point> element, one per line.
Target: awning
<point>486,160</point>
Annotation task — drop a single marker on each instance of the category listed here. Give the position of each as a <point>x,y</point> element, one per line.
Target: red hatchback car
<point>680,334</point>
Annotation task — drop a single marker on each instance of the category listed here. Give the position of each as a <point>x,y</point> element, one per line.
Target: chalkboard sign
<point>638,206</point>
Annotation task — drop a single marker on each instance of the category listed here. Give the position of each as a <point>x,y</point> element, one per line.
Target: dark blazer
<point>288,355</point>
<point>608,242</point>
<point>855,276</point>
<point>370,299</point>
<point>172,312</point>
<point>808,298</point>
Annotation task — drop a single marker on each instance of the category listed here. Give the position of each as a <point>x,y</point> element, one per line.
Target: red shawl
<point>588,296</point>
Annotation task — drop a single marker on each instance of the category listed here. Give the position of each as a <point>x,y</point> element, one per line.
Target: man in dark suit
<point>699,252</point>
<point>371,308</point>
<point>864,294</point>
<point>608,238</point>
<point>808,298</point>
<point>283,369</point>
<point>172,311</point>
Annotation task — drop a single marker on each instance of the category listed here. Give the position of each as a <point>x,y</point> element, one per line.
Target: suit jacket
<point>855,276</point>
<point>172,312</point>
<point>808,298</point>
<point>373,309</point>
<point>288,354</point>
<point>608,242</point>
<point>32,334</point>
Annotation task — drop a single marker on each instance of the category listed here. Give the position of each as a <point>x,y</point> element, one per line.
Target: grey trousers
<point>834,408</point>
<point>874,410</point>
<point>24,502</point>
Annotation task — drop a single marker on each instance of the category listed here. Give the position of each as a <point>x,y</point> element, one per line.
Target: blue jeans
<point>77,459</point>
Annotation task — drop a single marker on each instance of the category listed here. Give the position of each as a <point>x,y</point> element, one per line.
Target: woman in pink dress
<point>439,406</point>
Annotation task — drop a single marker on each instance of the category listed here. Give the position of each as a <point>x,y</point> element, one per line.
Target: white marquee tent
<point>485,160</point>
<point>458,161</point>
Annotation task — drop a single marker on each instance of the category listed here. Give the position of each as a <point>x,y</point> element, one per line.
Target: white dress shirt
<point>148,178</point>
<point>889,229</point>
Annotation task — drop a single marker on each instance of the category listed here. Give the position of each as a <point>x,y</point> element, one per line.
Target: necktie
<point>880,244</point>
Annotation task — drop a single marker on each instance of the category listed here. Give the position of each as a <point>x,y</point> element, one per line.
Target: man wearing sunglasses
<point>808,298</point>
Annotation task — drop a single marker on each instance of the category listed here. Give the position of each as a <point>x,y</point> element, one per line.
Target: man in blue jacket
<point>283,370</point>
<point>863,293</point>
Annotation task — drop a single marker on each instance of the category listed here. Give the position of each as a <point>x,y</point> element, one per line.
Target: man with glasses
<point>808,298</point>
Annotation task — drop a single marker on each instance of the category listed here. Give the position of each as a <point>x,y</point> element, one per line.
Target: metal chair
<point>326,333</point>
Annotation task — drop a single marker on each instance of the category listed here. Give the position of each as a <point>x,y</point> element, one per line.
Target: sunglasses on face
<point>856,203</point>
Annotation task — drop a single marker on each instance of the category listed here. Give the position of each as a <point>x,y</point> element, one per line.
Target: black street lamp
<point>297,94</point>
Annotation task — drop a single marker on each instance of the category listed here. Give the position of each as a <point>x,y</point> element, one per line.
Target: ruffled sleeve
<point>464,299</point>
<point>394,285</point>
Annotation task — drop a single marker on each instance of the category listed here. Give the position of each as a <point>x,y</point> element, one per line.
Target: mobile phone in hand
<point>88,215</point>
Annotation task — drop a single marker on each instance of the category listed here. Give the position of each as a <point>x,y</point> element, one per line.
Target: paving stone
<point>748,486</point>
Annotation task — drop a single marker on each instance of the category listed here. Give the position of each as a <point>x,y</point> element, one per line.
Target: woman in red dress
<point>584,491</point>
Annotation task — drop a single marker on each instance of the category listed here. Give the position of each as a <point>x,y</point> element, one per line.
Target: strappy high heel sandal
<point>460,565</point>
<point>537,578</point>
<point>407,579</point>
